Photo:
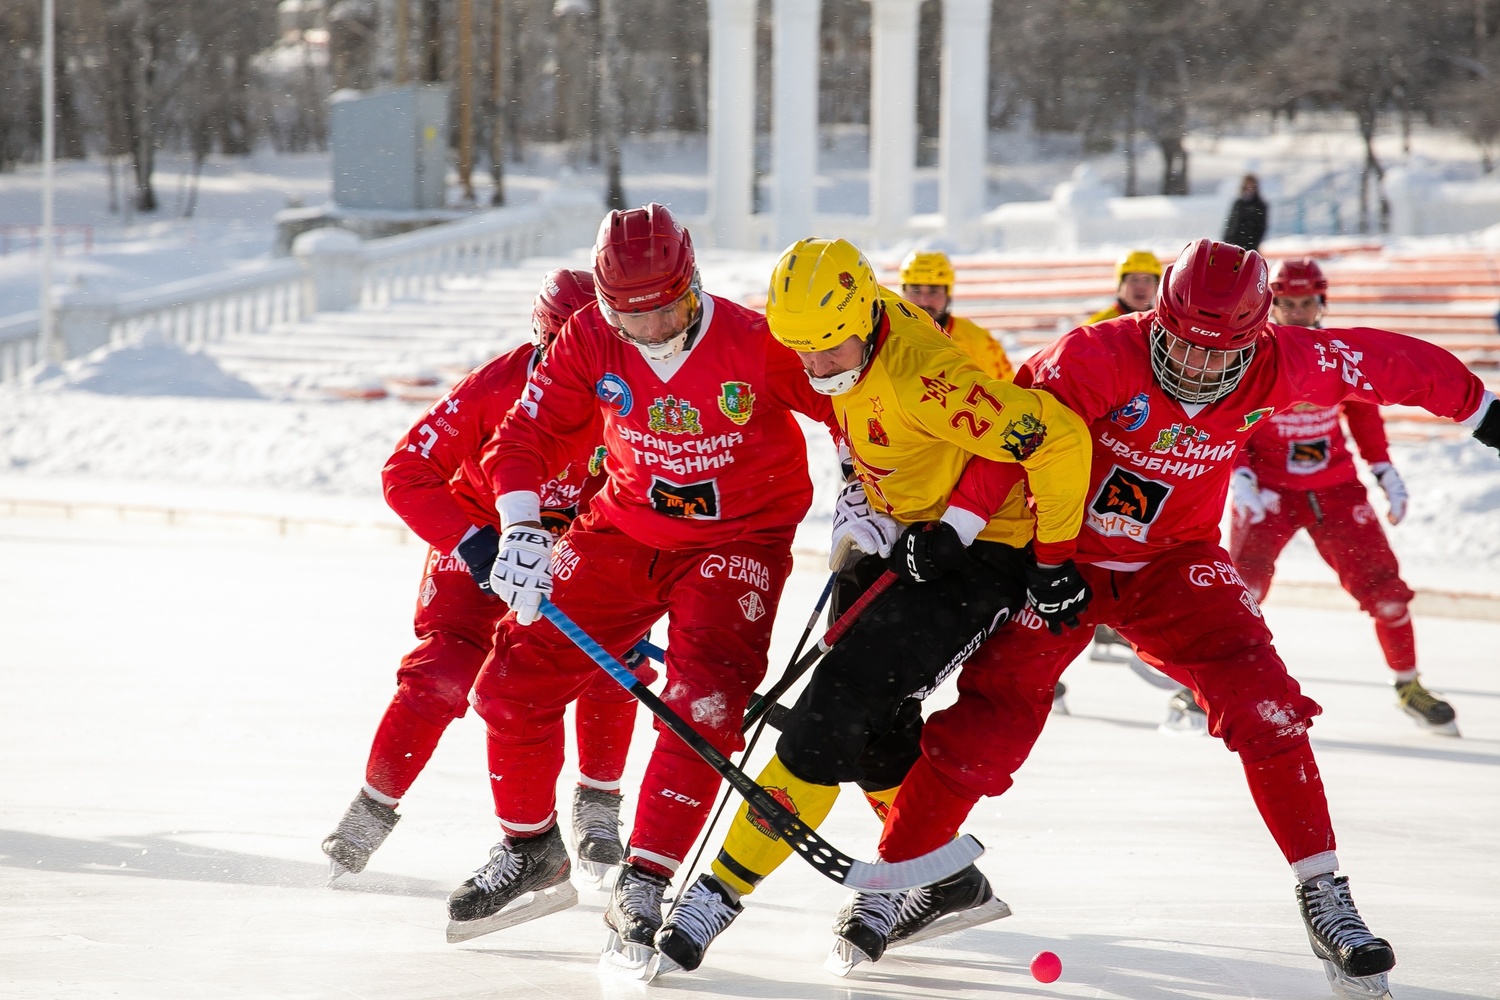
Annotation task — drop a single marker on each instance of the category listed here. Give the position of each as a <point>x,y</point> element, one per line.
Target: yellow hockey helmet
<point>822,293</point>
<point>1137,262</point>
<point>927,267</point>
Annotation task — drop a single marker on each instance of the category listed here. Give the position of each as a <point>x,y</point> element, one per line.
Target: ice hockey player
<point>914,411</point>
<point>1297,472</point>
<point>1137,275</point>
<point>707,480</point>
<point>927,280</point>
<point>433,482</point>
<point>1170,396</point>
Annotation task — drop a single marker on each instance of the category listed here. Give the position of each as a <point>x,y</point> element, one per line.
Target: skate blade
<point>950,923</point>
<point>1184,724</point>
<point>660,965</point>
<point>336,871</point>
<point>1060,706</point>
<point>1110,652</point>
<point>1356,987</point>
<point>1443,729</point>
<point>632,961</point>
<point>528,907</point>
<point>596,874</point>
<point>843,958</point>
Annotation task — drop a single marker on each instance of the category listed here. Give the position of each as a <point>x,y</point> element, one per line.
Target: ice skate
<point>363,829</point>
<point>633,918</point>
<point>1430,712</point>
<point>523,880</point>
<point>1184,716</point>
<point>1109,646</point>
<point>596,833</point>
<point>1354,960</point>
<point>862,930</point>
<point>964,900</point>
<point>701,915</point>
<point>1059,699</point>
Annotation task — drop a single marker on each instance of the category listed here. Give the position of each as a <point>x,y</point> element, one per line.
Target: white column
<point>731,120</point>
<point>963,143</point>
<point>893,113</point>
<point>794,116</point>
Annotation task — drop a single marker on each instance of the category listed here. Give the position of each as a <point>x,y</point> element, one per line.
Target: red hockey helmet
<point>1301,276</point>
<point>1211,307</point>
<point>644,263</point>
<point>564,292</point>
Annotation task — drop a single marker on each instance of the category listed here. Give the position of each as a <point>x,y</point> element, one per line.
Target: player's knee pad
<point>1392,612</point>
<point>438,700</point>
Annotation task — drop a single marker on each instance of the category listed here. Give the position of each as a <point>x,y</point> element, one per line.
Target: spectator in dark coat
<point>1247,217</point>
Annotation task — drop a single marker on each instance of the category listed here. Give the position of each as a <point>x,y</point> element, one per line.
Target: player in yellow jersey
<point>927,280</point>
<point>1136,276</point>
<point>915,410</point>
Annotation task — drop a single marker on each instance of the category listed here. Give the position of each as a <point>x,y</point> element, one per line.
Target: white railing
<point>330,270</point>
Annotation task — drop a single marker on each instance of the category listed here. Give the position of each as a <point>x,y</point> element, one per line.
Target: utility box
<point>390,147</point>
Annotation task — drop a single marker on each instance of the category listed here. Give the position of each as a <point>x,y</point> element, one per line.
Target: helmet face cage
<point>668,349</point>
<point>1216,373</point>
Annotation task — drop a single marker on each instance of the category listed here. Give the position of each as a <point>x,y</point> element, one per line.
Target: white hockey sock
<point>1308,869</point>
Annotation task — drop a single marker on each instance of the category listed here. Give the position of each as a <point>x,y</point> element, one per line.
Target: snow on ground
<point>187,714</point>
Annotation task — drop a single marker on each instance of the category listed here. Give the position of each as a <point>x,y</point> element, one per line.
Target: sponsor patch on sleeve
<point>700,500</point>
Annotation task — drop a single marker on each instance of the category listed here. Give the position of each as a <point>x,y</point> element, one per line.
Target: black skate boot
<point>1184,716</point>
<point>1355,960</point>
<point>524,879</point>
<point>1430,711</point>
<point>596,833</point>
<point>633,918</point>
<point>962,900</point>
<point>701,915</point>
<point>364,828</point>
<point>862,930</point>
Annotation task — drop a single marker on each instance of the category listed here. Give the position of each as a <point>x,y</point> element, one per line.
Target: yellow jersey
<point>922,408</point>
<point>977,342</point>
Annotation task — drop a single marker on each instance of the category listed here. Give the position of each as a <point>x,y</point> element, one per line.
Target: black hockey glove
<point>478,552</point>
<point>1058,594</point>
<point>927,551</point>
<point>1488,431</point>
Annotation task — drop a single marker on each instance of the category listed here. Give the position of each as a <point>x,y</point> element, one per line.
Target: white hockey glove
<point>856,527</point>
<point>1395,490</point>
<point>522,576</point>
<point>1249,500</point>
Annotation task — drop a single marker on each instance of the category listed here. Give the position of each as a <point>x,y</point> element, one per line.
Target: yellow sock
<point>752,850</point>
<point>882,801</point>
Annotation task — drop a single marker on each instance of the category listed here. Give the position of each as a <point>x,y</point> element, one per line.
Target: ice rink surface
<point>186,714</point>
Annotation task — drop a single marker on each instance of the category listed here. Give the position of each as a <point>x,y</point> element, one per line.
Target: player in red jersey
<point>434,483</point>
<point>706,481</point>
<point>1170,396</point>
<point>1298,472</point>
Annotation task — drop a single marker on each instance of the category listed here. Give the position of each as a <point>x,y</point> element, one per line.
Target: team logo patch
<point>615,394</point>
<point>736,401</point>
<point>876,433</point>
<point>846,280</point>
<point>670,416</point>
<point>1133,414</point>
<point>686,499</point>
<point>1023,436</point>
<point>938,387</point>
<point>1256,416</point>
<point>1126,504</point>
<point>1307,457</point>
<point>1178,434</point>
<point>784,799</point>
<point>752,606</point>
<point>429,591</point>
<point>596,461</point>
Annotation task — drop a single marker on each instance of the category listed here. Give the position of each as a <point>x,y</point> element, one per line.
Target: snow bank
<point>149,369</point>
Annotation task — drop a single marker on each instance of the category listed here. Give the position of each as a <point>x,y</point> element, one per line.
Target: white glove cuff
<point>1473,420</point>
<point>967,523</point>
<point>518,506</point>
<point>1245,473</point>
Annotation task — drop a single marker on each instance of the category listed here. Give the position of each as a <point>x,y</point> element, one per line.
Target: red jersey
<point>1304,448</point>
<point>1161,468</point>
<point>699,449</point>
<point>434,481</point>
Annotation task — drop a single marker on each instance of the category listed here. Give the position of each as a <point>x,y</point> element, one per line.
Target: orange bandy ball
<point>1046,967</point>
